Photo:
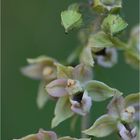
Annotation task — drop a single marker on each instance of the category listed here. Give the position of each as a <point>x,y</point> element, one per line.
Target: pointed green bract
<point>62,111</point>
<point>100,91</point>
<point>113,24</point>
<point>71,19</point>
<point>102,127</point>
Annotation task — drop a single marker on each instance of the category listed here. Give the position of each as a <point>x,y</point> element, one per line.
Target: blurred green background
<point>31,28</point>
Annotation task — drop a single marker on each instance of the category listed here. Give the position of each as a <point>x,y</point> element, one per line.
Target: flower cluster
<point>74,88</point>
<point>122,113</point>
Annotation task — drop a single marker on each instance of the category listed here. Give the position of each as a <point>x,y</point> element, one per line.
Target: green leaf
<point>62,111</point>
<point>113,24</point>
<point>86,57</point>
<point>71,19</point>
<point>132,99</point>
<point>64,71</point>
<point>100,91</point>
<point>42,96</point>
<point>99,41</point>
<point>102,127</point>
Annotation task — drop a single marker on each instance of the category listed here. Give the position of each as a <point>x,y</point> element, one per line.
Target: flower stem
<point>84,124</point>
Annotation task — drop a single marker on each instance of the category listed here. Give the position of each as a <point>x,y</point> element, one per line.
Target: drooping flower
<point>70,83</point>
<point>120,118</point>
<point>41,68</point>
<point>100,50</point>
<point>75,91</point>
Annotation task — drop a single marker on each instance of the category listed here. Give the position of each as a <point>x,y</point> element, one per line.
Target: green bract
<point>113,24</point>
<point>71,19</point>
<point>100,91</point>
<point>105,6</point>
<point>102,127</point>
<point>121,114</point>
<point>62,111</point>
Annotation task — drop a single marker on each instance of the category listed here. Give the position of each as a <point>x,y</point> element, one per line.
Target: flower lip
<point>101,52</point>
<point>78,97</point>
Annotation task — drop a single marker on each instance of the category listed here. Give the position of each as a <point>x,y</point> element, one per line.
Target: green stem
<point>84,124</point>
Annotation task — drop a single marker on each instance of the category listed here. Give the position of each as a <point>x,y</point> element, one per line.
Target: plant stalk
<point>84,124</point>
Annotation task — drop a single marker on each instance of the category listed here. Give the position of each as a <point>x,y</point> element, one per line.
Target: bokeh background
<point>31,28</point>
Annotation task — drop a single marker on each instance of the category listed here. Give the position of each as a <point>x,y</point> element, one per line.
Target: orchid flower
<point>75,91</point>
<point>41,68</point>
<point>120,117</point>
